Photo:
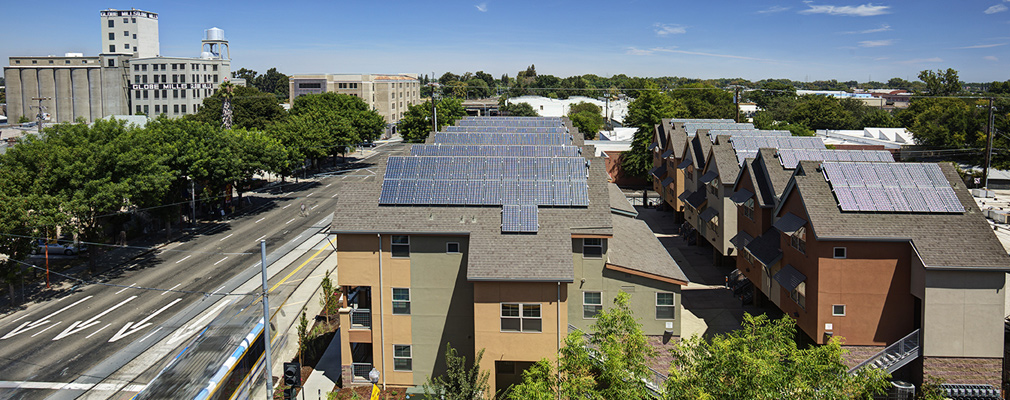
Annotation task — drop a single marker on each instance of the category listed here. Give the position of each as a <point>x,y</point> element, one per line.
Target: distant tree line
<point>272,81</point>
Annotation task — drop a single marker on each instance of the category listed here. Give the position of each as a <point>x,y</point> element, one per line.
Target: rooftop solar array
<point>891,187</point>
<point>791,157</point>
<point>747,146</point>
<point>518,163</point>
<point>519,219</point>
<point>510,121</point>
<point>528,139</point>
<point>693,127</point>
<point>494,150</point>
<point>507,129</point>
<point>714,134</point>
<point>702,120</point>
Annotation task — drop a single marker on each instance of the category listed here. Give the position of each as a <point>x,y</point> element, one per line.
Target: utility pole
<point>42,109</point>
<point>988,147</point>
<point>226,117</point>
<point>736,101</point>
<point>266,324</point>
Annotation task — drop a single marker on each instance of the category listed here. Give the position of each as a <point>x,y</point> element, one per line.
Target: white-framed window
<point>401,246</point>
<point>402,360</point>
<point>799,295</point>
<point>452,247</point>
<point>521,317</point>
<point>838,310</point>
<point>748,208</point>
<point>798,240</point>
<point>592,304</point>
<point>401,301</point>
<point>665,305</point>
<point>592,248</point>
<point>840,252</point>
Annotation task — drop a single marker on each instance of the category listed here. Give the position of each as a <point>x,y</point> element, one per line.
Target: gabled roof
<point>619,203</point>
<point>722,159</point>
<point>636,248</point>
<point>942,240</point>
<point>700,146</point>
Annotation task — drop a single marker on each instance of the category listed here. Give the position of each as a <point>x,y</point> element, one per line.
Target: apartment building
<point>129,77</point>
<point>490,246</point>
<point>388,94</point>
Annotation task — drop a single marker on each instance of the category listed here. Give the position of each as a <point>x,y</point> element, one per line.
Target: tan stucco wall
<point>962,314</point>
<point>518,346</point>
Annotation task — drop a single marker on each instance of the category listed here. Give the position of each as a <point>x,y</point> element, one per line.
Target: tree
<point>587,117</point>
<point>614,370</point>
<point>705,101</point>
<point>644,113</point>
<point>770,90</point>
<point>762,361</point>
<point>941,83</point>
<point>522,109</point>
<point>416,124</point>
<point>251,109</point>
<point>477,88</point>
<point>447,78</point>
<point>821,112</point>
<point>486,77</point>
<point>460,382</point>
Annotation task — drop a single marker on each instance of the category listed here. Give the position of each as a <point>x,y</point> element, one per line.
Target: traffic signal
<point>292,374</point>
<point>289,393</point>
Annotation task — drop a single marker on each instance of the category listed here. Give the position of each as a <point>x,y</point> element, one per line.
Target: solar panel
<point>949,200</point>
<point>915,200</point>
<point>888,186</point>
<point>845,198</point>
<point>519,219</point>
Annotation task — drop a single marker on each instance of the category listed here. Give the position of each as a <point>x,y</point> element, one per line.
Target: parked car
<point>59,248</point>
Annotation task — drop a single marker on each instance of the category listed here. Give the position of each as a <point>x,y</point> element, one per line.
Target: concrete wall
<point>518,346</point>
<point>963,313</point>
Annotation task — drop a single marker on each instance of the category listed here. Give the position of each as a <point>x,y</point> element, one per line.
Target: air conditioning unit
<point>999,216</point>
<point>982,193</point>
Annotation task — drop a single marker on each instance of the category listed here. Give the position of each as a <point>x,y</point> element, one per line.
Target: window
<point>215,78</point>
<point>145,92</point>
<point>175,77</point>
<point>157,94</point>
<point>184,106</point>
<point>713,187</point>
<point>840,252</point>
<point>401,301</point>
<point>112,23</point>
<point>134,35</point>
<point>665,308</point>
<point>175,67</point>
<point>401,357</point>
<point>175,93</point>
<point>136,94</point>
<point>145,107</point>
<point>156,79</point>
<point>592,304</point>
<point>126,20</point>
<point>143,67</point>
<point>798,240</point>
<point>401,245</point>
<point>164,93</point>
<point>164,77</point>
<point>175,110</point>
<point>592,248</point>
<point>112,62</point>
<point>748,208</point>
<point>316,85</point>
<point>66,61</point>
<point>799,295</point>
<point>134,20</point>
<point>112,36</point>
<point>452,247</point>
<point>838,310</point>
<point>112,48</point>
<point>517,317</point>
<point>157,108</point>
<point>126,34</point>
<point>214,67</point>
<point>182,78</point>
<point>126,46</point>
<point>138,109</point>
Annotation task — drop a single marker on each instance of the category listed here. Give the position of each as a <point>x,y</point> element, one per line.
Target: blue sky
<point>799,40</point>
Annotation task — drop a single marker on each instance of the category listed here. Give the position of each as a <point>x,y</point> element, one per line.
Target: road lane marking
<point>196,325</point>
<point>215,292</point>
<point>41,321</point>
<point>313,207</point>
<point>289,205</point>
<point>102,387</point>
<point>300,266</point>
<point>260,238</point>
<point>46,329</point>
<point>149,335</point>
<point>327,185</point>
<point>184,259</point>
<point>26,314</point>
<point>80,326</point>
<point>310,194</point>
<point>127,330</point>
<point>219,261</point>
<point>334,195</point>
<point>292,219</point>
<point>229,235</point>
<point>99,330</point>
<point>258,221</point>
<point>170,289</point>
<point>121,290</point>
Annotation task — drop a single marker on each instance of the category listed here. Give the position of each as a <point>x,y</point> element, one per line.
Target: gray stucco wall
<point>609,283</point>
<point>963,314</point>
<point>441,303</point>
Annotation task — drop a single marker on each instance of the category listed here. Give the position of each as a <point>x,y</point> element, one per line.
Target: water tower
<point>215,46</point>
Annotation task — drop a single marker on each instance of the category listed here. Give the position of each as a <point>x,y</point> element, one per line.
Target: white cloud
<point>922,60</point>
<point>863,10</point>
<point>995,9</point>
<point>882,28</point>
<point>632,51</point>
<point>982,46</point>
<point>991,58</point>
<point>698,53</point>
<point>664,29</point>
<point>777,9</point>
<point>876,43</point>
<point>482,7</point>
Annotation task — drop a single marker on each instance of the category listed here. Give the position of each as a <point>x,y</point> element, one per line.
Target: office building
<point>388,94</point>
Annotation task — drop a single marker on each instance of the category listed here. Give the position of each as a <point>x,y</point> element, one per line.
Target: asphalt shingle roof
<point>766,247</point>
<point>618,201</point>
<point>634,246</point>
<point>942,240</point>
<point>725,162</point>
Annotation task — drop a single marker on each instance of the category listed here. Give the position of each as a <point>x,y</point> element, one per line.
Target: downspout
<point>382,320</point>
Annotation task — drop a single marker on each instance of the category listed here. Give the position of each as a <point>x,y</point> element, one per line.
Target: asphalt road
<point>83,337</point>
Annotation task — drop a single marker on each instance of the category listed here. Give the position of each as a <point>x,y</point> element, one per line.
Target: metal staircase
<point>895,356</point>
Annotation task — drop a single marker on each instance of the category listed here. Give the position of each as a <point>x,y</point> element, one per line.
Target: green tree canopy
<point>644,113</point>
<point>251,109</point>
<point>705,101</point>
<point>461,381</point>
<point>821,112</point>
<point>587,117</point>
<point>521,109</point>
<point>762,361</point>
<point>941,83</point>
<point>415,125</point>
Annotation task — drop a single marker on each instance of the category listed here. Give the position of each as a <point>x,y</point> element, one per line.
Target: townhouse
<point>500,237</point>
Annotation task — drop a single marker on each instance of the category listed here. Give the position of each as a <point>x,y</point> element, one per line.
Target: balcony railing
<point>359,371</point>
<point>361,318</point>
